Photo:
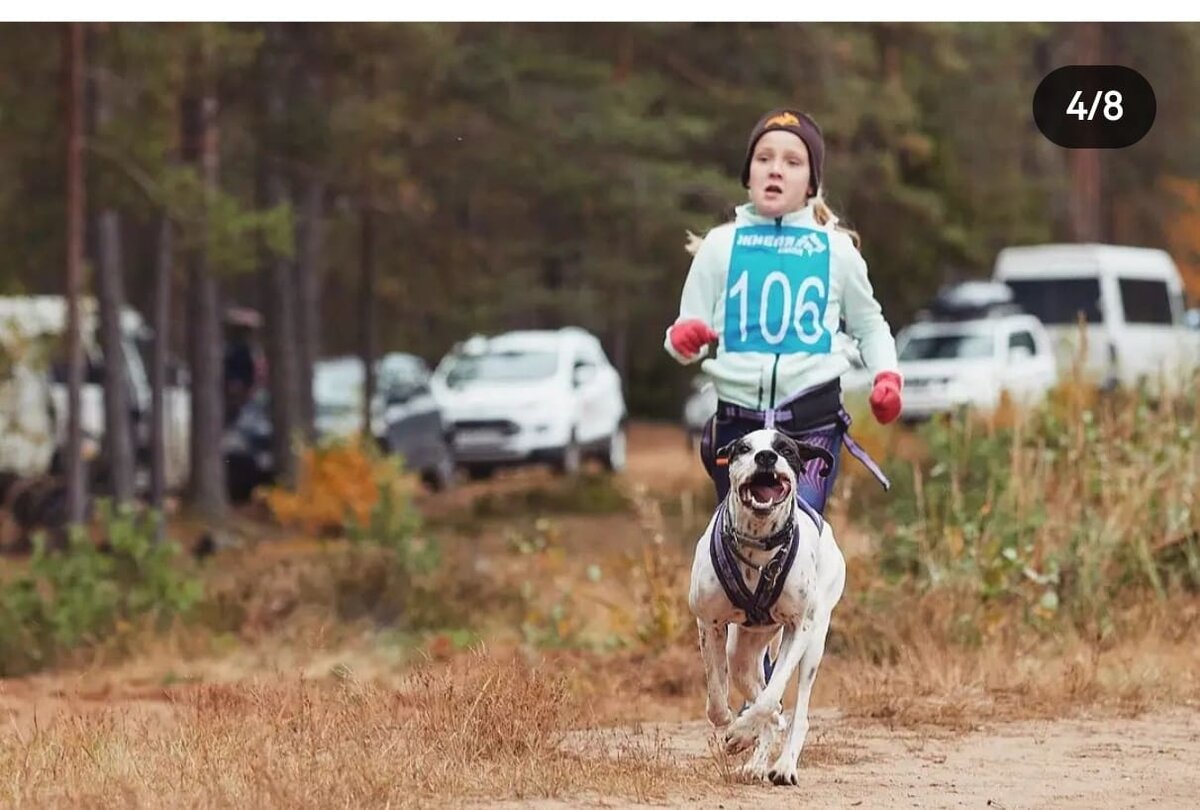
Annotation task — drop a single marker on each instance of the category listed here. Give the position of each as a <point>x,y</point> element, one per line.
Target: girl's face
<point>779,174</point>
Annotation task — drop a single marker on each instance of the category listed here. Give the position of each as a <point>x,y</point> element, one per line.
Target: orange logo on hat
<point>783,120</point>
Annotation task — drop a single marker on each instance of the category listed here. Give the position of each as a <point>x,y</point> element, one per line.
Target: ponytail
<point>823,214</point>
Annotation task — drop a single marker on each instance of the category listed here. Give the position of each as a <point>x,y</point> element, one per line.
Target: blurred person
<point>244,365</point>
<point>763,300</point>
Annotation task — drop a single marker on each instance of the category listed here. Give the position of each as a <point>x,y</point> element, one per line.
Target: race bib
<point>777,291</point>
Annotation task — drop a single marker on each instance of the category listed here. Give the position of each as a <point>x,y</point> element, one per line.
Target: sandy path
<point>1080,763</point>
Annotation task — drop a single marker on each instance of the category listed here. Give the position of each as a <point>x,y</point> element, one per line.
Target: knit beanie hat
<point>798,123</point>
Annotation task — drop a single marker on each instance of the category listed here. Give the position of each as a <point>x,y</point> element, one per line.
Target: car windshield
<point>959,346</point>
<point>400,371</point>
<point>502,366</point>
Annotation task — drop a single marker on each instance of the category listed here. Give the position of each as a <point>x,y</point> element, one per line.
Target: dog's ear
<point>798,454</point>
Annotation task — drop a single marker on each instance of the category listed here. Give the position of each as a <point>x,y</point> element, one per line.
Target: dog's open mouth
<point>764,490</point>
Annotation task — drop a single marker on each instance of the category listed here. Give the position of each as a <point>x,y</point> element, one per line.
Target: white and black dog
<point>766,563</point>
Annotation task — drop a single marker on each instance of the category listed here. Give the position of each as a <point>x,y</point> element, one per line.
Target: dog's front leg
<point>783,772</point>
<point>755,721</point>
<point>716,670</point>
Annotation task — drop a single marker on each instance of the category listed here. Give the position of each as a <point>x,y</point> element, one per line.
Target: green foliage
<point>85,595</point>
<point>395,525</point>
<point>1063,514</point>
<point>537,175</point>
<point>393,570</point>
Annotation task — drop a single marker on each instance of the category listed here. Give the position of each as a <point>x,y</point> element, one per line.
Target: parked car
<point>952,364</point>
<point>412,423</point>
<point>532,396</point>
<point>337,398</point>
<point>405,421</point>
<point>1130,299</point>
<point>30,330</point>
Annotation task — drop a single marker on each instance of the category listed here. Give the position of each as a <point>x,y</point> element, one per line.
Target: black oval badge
<point>1094,106</point>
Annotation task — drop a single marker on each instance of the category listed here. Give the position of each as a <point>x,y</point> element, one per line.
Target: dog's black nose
<point>766,458</point>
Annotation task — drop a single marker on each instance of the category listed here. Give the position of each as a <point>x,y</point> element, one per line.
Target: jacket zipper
<point>775,365</point>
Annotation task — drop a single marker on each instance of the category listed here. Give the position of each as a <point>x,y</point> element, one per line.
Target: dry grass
<point>497,725</point>
<point>906,669</point>
<point>297,705</point>
<point>487,728</point>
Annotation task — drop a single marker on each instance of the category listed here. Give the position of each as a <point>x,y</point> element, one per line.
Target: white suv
<point>949,365</point>
<point>532,396</point>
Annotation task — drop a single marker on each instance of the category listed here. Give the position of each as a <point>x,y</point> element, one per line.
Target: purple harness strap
<point>757,604</point>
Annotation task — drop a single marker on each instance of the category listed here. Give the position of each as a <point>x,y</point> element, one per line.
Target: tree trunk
<point>73,68</point>
<point>118,390</point>
<point>1085,170</point>
<point>208,492</point>
<point>366,315</point>
<point>308,285</point>
<point>278,282</point>
<point>307,82</point>
<point>158,370</point>
<point>118,439</point>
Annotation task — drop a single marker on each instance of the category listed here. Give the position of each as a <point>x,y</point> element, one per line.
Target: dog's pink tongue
<point>767,492</point>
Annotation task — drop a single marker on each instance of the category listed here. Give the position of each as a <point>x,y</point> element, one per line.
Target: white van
<point>1130,298</point>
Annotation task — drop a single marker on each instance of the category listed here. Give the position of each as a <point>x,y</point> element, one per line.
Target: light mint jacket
<point>776,291</point>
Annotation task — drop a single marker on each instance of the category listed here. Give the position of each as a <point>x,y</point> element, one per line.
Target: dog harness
<point>723,543</point>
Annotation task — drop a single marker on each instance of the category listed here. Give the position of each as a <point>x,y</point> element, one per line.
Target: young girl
<point>766,292</point>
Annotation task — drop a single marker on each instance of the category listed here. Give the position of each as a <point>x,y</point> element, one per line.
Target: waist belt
<point>812,412</point>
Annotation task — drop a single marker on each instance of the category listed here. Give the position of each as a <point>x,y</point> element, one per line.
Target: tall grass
<point>1062,514</point>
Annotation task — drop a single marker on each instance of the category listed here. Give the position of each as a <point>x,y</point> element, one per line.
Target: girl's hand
<point>687,337</point>
<point>885,397</point>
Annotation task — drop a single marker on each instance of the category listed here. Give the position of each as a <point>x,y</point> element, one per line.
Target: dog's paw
<point>783,773</point>
<point>719,716</point>
<point>743,733</point>
<point>753,771</point>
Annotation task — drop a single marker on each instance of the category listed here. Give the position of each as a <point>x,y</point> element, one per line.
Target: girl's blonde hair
<point>822,213</point>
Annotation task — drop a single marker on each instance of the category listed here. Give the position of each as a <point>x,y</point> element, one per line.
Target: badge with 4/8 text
<point>1094,106</point>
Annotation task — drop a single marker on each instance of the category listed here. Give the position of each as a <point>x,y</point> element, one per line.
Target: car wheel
<point>615,450</point>
<point>441,477</point>
<point>480,472</point>
<point>570,459</point>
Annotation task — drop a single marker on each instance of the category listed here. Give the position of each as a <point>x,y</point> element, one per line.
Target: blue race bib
<point>777,291</point>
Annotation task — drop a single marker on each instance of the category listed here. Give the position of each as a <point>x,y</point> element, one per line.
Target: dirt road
<point>1081,763</point>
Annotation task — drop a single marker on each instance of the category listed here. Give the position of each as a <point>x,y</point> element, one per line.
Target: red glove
<point>885,397</point>
<point>687,337</point>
